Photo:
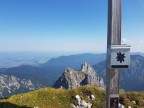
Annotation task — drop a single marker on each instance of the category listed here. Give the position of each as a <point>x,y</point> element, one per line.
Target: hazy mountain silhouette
<point>131,79</point>
<point>46,74</point>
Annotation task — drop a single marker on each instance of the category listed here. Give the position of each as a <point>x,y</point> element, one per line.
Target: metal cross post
<point>113,38</point>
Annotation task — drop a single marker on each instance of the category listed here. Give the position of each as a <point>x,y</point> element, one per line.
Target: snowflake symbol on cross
<point>120,57</point>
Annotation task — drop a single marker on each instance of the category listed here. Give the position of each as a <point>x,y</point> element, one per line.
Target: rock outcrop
<point>10,85</point>
<point>86,76</point>
<point>81,103</point>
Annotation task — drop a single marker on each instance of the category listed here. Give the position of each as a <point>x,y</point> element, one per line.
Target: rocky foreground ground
<point>91,96</point>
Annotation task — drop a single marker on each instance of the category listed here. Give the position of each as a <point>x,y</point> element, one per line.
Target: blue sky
<point>66,26</point>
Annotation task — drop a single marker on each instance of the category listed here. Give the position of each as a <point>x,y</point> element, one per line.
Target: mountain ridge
<point>46,75</point>
<point>72,79</point>
<point>130,79</point>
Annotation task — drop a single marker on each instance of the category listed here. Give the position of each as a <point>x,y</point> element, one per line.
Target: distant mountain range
<point>132,79</point>
<point>137,53</point>
<point>46,74</point>
<point>75,61</point>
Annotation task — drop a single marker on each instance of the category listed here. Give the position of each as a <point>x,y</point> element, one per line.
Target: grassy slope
<point>61,98</point>
<point>54,98</point>
<point>127,98</point>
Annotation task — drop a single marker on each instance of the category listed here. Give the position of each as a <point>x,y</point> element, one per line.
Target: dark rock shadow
<point>10,105</point>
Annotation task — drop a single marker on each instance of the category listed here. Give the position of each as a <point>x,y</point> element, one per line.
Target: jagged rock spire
<point>86,76</point>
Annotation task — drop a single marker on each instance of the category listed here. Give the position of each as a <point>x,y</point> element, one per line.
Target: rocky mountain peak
<point>68,71</point>
<point>86,68</point>
<point>86,76</point>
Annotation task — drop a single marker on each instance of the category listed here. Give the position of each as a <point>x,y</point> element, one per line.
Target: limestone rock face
<point>10,85</point>
<point>86,76</point>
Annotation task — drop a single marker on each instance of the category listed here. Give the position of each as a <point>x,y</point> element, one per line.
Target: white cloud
<point>142,41</point>
<point>123,40</point>
<point>136,45</point>
<point>126,41</point>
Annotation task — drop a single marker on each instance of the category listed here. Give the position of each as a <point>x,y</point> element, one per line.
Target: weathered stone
<point>84,104</point>
<point>92,97</point>
<point>121,106</point>
<point>78,99</point>
<point>134,102</point>
<point>86,76</point>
